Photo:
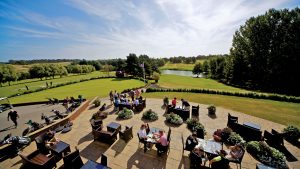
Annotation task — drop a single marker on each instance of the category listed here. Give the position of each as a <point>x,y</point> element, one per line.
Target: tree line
<point>265,54</point>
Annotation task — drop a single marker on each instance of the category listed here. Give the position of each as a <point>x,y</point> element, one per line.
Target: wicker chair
<point>38,160</point>
<point>126,134</point>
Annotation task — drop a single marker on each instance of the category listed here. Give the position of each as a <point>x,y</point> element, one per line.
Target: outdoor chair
<point>223,163</point>
<point>104,160</point>
<point>141,140</point>
<point>126,134</point>
<point>183,144</point>
<point>73,160</point>
<point>200,133</point>
<point>170,109</point>
<point>231,119</point>
<point>38,160</point>
<point>195,110</point>
<point>239,160</point>
<point>139,107</point>
<point>273,140</point>
<point>279,137</point>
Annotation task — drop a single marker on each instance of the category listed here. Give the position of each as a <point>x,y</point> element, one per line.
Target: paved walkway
<point>131,155</point>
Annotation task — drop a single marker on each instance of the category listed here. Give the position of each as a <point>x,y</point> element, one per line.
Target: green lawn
<point>88,89</point>
<point>280,112</point>
<point>36,83</point>
<point>175,81</point>
<point>179,66</point>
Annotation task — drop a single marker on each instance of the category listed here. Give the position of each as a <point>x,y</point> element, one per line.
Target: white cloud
<point>162,28</point>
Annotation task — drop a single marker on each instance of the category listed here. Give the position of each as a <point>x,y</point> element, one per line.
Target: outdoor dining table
<point>59,148</point>
<point>93,165</point>
<point>150,138</point>
<point>209,146</point>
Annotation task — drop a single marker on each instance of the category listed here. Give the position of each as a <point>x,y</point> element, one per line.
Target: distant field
<point>280,112</point>
<point>175,81</point>
<point>179,66</point>
<point>88,89</point>
<point>18,87</point>
<point>24,68</point>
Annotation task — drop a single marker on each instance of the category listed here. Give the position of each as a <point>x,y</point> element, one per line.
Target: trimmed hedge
<point>150,115</point>
<point>227,93</point>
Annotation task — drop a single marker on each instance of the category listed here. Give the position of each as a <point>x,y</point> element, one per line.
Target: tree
<point>132,65</point>
<point>37,71</point>
<point>156,76</point>
<point>7,74</point>
<point>107,68</point>
<point>197,69</point>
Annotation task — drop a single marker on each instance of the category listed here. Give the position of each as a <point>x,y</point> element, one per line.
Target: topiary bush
<point>125,114</point>
<point>193,124</point>
<point>291,133</point>
<point>97,102</point>
<point>211,110</point>
<point>174,119</point>
<point>150,115</point>
<point>266,154</point>
<point>235,138</point>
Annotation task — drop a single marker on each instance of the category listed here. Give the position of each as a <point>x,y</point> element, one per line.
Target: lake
<point>179,72</point>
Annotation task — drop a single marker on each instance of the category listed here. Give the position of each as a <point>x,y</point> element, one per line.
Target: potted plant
<point>291,133</point>
<point>97,102</point>
<point>125,114</point>
<point>211,110</point>
<point>150,115</point>
<point>174,119</point>
<point>235,138</point>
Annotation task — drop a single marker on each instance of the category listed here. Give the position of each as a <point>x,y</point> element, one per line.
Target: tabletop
<point>209,146</point>
<point>114,125</point>
<point>93,165</point>
<point>59,147</point>
<point>252,125</point>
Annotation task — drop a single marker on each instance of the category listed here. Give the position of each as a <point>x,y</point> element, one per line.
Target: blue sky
<point>103,29</point>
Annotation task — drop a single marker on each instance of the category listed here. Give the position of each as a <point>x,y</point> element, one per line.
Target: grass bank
<point>279,112</point>
<point>88,89</point>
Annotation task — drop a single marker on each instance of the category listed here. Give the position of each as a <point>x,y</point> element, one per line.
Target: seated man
<point>49,138</point>
<point>58,114</point>
<point>185,104</point>
<point>196,157</point>
<point>235,152</point>
<point>162,143</point>
<point>191,142</point>
<point>219,161</point>
<point>103,107</point>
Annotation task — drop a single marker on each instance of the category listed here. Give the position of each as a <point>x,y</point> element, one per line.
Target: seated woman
<point>235,152</point>
<point>162,143</point>
<point>218,135</point>
<point>191,142</point>
<point>49,138</point>
<point>143,136</point>
<point>196,157</point>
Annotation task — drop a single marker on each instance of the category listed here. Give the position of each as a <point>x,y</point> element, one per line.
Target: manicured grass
<point>88,89</point>
<point>37,83</point>
<point>179,66</point>
<point>280,112</point>
<point>175,81</point>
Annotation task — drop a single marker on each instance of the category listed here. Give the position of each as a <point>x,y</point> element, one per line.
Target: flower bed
<point>194,124</point>
<point>266,154</point>
<point>125,114</point>
<point>150,115</point>
<point>174,119</point>
<point>291,133</point>
<point>235,138</point>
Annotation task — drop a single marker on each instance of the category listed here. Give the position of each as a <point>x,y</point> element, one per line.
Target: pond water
<point>179,72</point>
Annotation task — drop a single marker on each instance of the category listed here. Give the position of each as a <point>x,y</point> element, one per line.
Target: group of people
<point>185,104</point>
<point>117,98</point>
<point>161,141</point>
<point>197,155</point>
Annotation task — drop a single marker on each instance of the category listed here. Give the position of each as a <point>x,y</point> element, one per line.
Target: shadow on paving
<point>94,150</point>
<point>86,138</point>
<point>146,160</point>
<point>119,146</point>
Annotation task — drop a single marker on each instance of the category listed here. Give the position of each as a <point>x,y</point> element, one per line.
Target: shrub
<point>194,124</point>
<point>174,119</point>
<point>150,115</point>
<point>266,154</point>
<point>125,114</point>
<point>235,138</point>
<point>211,109</point>
<point>97,102</point>
<point>291,132</point>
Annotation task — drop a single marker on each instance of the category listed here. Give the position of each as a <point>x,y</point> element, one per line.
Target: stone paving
<point>131,155</point>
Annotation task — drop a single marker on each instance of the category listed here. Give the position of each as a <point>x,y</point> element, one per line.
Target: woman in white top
<point>143,136</point>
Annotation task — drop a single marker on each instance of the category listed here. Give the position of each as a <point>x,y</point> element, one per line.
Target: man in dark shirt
<point>13,115</point>
<point>191,142</point>
<point>185,104</point>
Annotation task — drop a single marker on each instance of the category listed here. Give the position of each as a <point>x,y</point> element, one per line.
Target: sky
<point>106,29</point>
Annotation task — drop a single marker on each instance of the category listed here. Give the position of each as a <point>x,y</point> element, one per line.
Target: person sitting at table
<point>136,102</point>
<point>191,142</point>
<point>174,101</point>
<point>103,107</point>
<point>185,104</point>
<point>143,136</point>
<point>218,135</point>
<point>220,161</point>
<point>49,138</point>
<point>162,143</point>
<point>235,152</point>
<point>196,158</point>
